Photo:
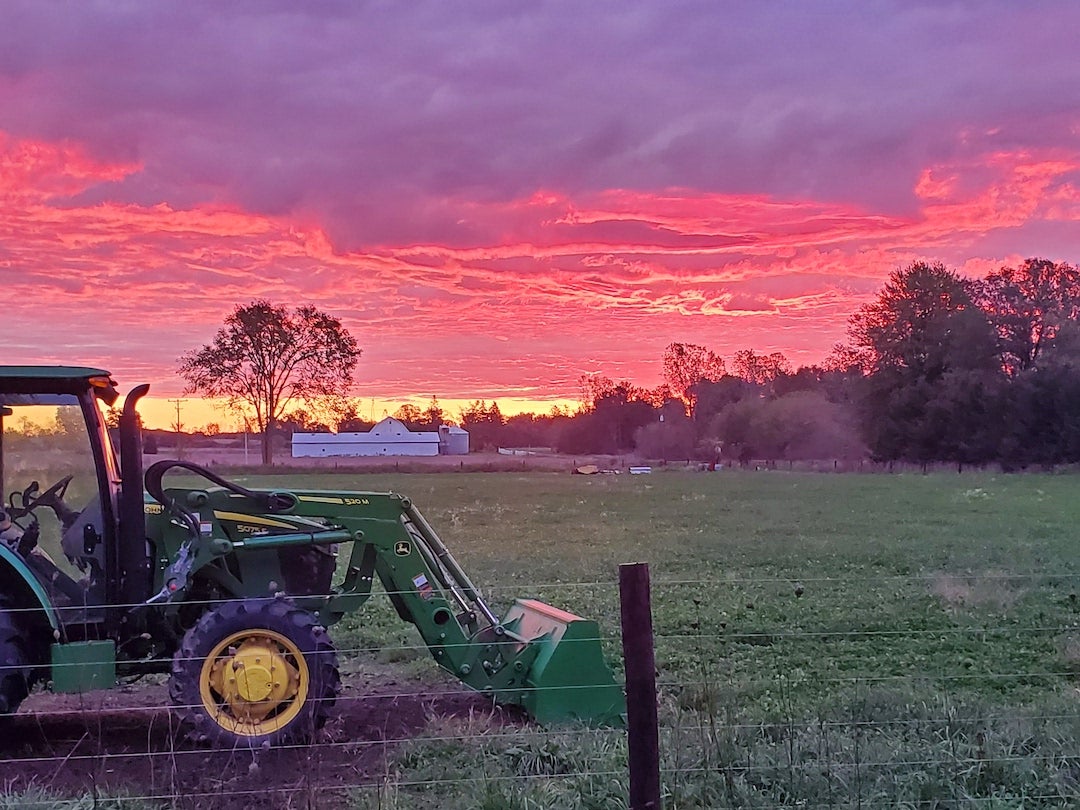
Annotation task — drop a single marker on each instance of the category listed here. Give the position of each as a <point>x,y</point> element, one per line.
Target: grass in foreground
<point>821,640</point>
<point>36,798</point>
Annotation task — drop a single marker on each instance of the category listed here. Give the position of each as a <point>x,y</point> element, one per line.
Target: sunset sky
<point>496,198</point>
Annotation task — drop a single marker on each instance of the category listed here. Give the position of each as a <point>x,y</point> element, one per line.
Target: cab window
<point>51,502</point>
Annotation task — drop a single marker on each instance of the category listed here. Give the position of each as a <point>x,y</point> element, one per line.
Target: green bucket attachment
<point>569,679</point>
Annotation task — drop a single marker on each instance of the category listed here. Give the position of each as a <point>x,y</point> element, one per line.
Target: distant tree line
<point>938,367</point>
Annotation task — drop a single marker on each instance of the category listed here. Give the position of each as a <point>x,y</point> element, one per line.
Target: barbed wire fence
<point>762,700</point>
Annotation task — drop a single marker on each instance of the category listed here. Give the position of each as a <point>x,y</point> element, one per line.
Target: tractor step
<point>83,666</point>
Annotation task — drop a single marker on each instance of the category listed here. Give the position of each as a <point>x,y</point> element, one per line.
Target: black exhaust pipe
<point>134,567</point>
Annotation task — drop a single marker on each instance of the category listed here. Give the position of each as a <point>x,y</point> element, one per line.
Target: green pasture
<point>820,639</point>
<point>967,582</point>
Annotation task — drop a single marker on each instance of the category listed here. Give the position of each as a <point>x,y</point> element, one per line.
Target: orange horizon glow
<point>197,413</point>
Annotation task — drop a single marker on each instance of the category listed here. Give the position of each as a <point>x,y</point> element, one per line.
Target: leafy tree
<point>658,397</point>
<point>806,425</point>
<point>410,416</point>
<point>484,423</point>
<point>733,428</point>
<point>893,416</point>
<point>266,358</point>
<point>799,425</point>
<point>433,416</point>
<point>112,417</point>
<point>300,420</point>
<point>1028,305</point>
<point>609,418</point>
<point>921,338</point>
<point>581,434</point>
<point>968,408</point>
<point>713,397</point>
<point>760,369</point>
<point>670,434</point>
<point>849,360</point>
<point>531,430</point>
<point>686,365</point>
<point>1041,423</point>
<point>595,388</point>
<point>618,417</point>
<point>806,378</point>
<point>923,323</point>
<point>349,420</point>
<point>958,417</point>
<point>429,419</point>
<point>69,422</point>
<point>1064,350</point>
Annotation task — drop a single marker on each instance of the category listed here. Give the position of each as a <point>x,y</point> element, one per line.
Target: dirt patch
<point>992,590</point>
<point>122,742</point>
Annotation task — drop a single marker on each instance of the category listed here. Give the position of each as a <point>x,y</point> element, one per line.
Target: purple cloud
<point>380,120</point>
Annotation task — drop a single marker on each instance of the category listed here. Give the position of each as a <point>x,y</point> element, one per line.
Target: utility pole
<point>179,426</point>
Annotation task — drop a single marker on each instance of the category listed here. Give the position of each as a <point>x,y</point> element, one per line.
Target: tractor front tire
<point>254,672</point>
<point>16,670</point>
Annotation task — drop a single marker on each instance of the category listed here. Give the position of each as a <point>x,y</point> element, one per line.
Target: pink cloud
<point>131,287</point>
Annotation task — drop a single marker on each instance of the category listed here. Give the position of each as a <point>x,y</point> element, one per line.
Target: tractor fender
<point>18,580</point>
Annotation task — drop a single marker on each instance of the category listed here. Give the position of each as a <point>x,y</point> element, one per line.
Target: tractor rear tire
<point>16,670</point>
<point>254,672</point>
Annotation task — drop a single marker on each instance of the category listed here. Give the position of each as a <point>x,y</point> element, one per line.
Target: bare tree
<point>266,358</point>
<point>686,365</point>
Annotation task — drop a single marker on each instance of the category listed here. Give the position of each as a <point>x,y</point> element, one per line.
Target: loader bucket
<point>569,679</point>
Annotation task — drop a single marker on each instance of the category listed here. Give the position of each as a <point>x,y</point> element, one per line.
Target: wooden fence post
<point>642,728</point>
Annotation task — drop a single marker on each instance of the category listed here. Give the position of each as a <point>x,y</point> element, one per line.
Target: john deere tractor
<point>106,574</point>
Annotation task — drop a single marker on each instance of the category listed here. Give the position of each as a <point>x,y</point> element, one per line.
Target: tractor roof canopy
<point>39,385</point>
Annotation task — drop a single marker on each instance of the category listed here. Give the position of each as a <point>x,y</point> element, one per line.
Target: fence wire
<point>772,692</point>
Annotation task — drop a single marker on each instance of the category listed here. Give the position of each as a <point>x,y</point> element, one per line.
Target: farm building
<point>390,437</point>
<point>453,441</point>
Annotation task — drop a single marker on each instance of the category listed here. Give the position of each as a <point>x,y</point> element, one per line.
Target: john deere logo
<point>402,548</point>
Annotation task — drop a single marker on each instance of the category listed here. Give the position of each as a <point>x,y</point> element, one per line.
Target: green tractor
<point>105,573</point>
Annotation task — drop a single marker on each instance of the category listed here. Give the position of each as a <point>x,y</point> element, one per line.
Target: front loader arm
<point>424,582</point>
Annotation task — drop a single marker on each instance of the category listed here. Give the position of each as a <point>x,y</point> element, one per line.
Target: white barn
<point>390,437</point>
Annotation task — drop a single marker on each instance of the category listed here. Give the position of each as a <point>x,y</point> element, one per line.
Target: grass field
<point>822,640</point>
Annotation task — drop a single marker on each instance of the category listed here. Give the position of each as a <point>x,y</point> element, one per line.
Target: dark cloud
<point>383,120</point>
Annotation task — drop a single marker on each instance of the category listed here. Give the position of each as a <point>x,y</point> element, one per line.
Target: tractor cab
<point>60,516</point>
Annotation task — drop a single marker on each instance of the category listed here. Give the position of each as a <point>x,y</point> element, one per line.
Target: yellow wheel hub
<point>254,682</point>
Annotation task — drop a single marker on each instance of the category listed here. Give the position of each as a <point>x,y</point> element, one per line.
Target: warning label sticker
<point>423,586</point>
